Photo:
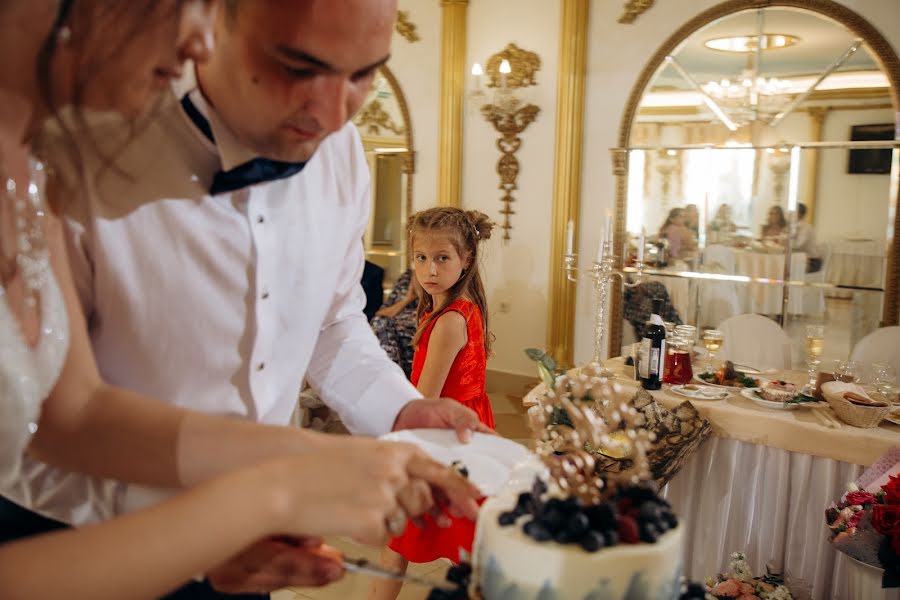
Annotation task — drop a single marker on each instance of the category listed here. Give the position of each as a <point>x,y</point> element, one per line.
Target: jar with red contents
<point>678,361</point>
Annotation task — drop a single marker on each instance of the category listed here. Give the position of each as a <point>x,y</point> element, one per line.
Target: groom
<point>219,262</point>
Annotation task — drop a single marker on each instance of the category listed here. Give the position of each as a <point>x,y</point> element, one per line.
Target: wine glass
<point>848,371</point>
<point>815,345</point>
<point>883,377</point>
<point>712,341</point>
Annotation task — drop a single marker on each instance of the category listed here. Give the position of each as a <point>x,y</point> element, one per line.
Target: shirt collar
<point>231,151</point>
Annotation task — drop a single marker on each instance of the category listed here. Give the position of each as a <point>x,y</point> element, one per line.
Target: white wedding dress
<point>28,374</point>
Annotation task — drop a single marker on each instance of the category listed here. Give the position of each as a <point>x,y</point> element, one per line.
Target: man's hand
<point>272,564</point>
<point>440,413</point>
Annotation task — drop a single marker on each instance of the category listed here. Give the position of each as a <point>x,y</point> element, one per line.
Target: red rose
<point>886,519</point>
<point>892,490</point>
<point>859,498</point>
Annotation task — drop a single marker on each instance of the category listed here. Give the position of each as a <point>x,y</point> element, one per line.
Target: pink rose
<point>859,498</point>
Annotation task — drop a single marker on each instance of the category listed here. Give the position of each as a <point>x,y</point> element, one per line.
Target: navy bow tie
<point>245,174</point>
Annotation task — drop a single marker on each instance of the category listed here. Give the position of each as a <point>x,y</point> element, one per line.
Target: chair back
<point>755,341</point>
<point>880,346</point>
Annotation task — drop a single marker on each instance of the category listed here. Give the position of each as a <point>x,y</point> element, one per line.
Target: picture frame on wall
<point>875,161</point>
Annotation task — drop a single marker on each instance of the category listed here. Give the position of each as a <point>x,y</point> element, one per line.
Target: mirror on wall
<point>742,162</point>
<point>383,123</point>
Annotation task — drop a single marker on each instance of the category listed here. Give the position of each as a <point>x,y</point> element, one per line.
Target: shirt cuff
<point>380,403</point>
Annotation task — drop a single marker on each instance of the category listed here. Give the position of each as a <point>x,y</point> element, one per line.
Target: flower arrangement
<point>740,583</point>
<point>866,527</point>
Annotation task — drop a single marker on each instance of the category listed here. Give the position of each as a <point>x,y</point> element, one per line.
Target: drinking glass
<point>815,345</point>
<point>712,341</point>
<point>848,371</point>
<point>883,377</point>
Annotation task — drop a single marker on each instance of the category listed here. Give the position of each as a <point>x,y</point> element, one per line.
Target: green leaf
<point>548,362</point>
<point>546,375</point>
<point>535,354</point>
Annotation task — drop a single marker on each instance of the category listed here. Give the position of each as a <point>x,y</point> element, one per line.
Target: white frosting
<point>511,566</point>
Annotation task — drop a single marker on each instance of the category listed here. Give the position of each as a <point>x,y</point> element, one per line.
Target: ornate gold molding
<point>453,70</point>
<point>566,174</point>
<point>405,27</point>
<point>509,125</point>
<point>884,54</point>
<point>817,116</point>
<point>633,9</point>
<point>410,162</point>
<point>523,65</point>
<point>373,118</point>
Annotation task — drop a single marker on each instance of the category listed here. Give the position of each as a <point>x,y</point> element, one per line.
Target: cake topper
<point>581,416</point>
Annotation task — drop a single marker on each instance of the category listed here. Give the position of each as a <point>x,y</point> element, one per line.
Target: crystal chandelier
<point>749,99</point>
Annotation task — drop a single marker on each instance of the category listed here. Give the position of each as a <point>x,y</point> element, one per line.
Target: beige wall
<point>516,274</point>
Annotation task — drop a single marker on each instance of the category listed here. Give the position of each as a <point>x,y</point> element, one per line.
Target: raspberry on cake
<point>778,391</point>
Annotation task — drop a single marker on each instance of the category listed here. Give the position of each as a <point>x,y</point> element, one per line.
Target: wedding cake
<point>576,533</point>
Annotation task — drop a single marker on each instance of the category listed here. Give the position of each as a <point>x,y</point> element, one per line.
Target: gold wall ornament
<point>633,9</point>
<point>405,27</point>
<point>523,64</point>
<point>509,122</point>
<point>374,118</point>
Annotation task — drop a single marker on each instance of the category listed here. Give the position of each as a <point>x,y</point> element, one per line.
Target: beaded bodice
<point>27,374</point>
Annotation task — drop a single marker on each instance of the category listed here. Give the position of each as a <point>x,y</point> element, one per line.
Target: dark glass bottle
<point>653,350</point>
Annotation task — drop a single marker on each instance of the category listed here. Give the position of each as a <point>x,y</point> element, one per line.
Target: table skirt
<point>768,502</point>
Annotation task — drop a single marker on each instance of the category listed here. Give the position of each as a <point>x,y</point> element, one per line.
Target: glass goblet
<point>712,341</point>
<point>815,345</point>
<point>848,371</point>
<point>883,378</point>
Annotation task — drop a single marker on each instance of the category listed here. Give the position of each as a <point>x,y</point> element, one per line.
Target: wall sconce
<point>780,164</point>
<point>508,70</point>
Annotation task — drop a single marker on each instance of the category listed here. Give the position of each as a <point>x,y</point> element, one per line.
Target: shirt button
<point>260,219</point>
<point>265,295</point>
<point>260,366</point>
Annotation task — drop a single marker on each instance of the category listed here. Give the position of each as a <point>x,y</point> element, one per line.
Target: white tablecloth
<point>735,495</point>
<point>856,262</point>
<point>762,298</point>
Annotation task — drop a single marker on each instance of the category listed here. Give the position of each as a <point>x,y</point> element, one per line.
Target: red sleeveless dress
<point>465,383</point>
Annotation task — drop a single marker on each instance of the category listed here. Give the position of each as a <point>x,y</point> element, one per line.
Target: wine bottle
<point>653,350</point>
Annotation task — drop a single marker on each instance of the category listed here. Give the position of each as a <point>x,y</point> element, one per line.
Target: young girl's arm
<point>447,338</point>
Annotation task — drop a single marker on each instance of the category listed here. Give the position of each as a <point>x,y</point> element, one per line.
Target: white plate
<point>489,458</point>
<point>761,380</point>
<point>893,416</point>
<point>700,392</point>
<point>750,394</point>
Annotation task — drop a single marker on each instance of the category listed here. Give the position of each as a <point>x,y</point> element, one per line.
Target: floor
<point>509,418</point>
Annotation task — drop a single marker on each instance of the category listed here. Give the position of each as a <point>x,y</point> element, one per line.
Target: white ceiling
<point>822,41</point>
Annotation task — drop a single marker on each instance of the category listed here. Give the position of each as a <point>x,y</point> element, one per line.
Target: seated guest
<point>721,225</point>
<point>639,304</point>
<point>681,239</point>
<point>395,323</point>
<point>373,285</point>
<point>804,240</point>
<point>776,226</point>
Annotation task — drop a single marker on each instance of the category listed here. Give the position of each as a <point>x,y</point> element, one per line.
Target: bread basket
<point>850,413</point>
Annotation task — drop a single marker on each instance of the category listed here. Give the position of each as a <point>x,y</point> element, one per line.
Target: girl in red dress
<point>452,345</point>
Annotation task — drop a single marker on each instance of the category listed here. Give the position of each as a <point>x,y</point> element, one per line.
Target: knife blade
<point>364,567</point>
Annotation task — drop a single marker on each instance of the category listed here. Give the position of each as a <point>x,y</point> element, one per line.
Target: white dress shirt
<point>223,304</point>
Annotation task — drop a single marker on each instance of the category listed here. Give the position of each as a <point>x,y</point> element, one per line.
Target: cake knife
<point>364,567</point>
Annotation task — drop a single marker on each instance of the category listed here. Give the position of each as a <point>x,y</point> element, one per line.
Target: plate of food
<point>487,460</point>
<point>893,416</point>
<point>780,395</point>
<point>700,392</point>
<point>729,377</point>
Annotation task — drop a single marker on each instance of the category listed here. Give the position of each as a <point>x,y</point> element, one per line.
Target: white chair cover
<point>756,341</point>
<point>880,346</point>
<point>719,300</point>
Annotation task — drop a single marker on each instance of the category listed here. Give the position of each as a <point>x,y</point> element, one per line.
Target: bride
<point>115,55</point>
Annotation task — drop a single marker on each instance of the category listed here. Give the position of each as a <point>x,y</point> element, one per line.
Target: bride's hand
<point>365,489</point>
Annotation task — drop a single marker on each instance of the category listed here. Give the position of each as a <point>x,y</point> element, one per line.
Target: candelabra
<point>602,272</point>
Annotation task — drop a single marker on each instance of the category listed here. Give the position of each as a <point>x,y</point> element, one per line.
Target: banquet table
<point>762,298</point>
<point>761,484</point>
<point>858,262</point>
